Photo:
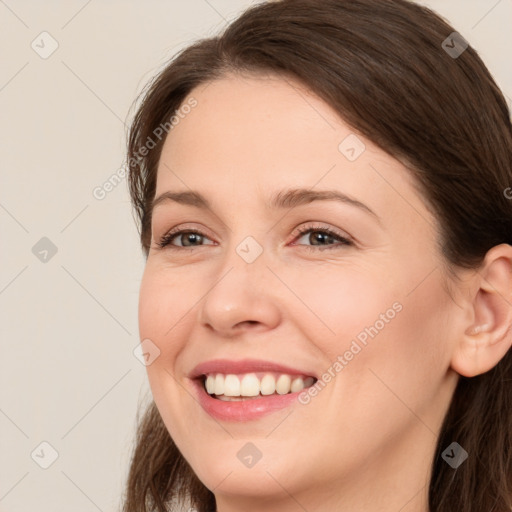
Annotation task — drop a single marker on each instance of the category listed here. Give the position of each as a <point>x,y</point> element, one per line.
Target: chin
<point>227,467</point>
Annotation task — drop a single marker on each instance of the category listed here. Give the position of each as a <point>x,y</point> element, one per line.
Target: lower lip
<point>241,410</point>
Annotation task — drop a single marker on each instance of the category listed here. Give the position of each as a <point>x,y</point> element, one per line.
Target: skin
<point>366,441</point>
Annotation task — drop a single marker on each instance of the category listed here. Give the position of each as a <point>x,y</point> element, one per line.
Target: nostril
<point>251,322</point>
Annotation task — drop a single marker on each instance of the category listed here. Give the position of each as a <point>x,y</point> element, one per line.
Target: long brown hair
<point>385,67</point>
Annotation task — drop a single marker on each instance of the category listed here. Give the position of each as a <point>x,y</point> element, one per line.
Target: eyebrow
<point>283,199</point>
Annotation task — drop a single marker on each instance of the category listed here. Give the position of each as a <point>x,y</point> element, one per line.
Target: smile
<point>247,389</point>
<point>250,386</point>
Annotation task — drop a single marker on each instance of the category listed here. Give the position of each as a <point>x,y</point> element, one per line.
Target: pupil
<point>192,236</point>
<point>319,237</point>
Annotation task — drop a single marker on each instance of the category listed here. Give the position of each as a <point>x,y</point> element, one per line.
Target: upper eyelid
<point>317,225</point>
<point>298,232</point>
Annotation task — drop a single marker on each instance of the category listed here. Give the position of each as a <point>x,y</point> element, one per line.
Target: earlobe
<point>486,340</point>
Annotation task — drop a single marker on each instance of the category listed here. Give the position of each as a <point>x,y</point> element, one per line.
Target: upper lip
<point>227,366</point>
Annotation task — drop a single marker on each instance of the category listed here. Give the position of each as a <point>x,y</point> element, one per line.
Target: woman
<point>323,205</point>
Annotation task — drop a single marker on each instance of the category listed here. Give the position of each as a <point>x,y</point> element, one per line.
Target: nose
<point>242,298</point>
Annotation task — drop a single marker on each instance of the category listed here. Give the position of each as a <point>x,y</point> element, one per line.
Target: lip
<point>243,410</point>
<point>227,366</point>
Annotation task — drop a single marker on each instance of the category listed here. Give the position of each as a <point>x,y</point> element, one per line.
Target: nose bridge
<point>240,291</point>
<point>247,243</point>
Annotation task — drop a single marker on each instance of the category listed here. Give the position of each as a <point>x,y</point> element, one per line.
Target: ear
<point>487,335</point>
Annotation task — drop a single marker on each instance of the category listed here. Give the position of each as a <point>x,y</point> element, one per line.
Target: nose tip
<point>240,302</point>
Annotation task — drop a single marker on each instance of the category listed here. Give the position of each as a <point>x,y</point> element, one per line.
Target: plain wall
<point>68,375</point>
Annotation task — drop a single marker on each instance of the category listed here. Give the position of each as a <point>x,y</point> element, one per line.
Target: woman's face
<point>371,314</point>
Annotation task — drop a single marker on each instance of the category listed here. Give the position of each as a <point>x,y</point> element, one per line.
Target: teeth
<point>219,384</point>
<point>268,385</point>
<point>297,384</point>
<point>250,385</point>
<point>210,385</point>
<point>283,384</point>
<point>231,386</point>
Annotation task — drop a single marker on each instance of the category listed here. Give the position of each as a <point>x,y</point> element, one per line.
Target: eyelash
<point>165,241</point>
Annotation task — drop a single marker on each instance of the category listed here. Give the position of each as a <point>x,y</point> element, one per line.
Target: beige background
<point>68,375</point>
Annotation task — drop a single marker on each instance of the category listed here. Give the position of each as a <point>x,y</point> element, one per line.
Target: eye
<point>191,238</point>
<point>322,235</point>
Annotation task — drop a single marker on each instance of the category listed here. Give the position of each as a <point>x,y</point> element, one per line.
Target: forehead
<point>251,134</point>
<point>271,116</point>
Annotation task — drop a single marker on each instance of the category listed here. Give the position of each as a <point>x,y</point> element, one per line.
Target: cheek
<point>391,373</point>
<point>337,304</point>
<point>162,316</point>
<point>377,336</point>
<point>165,296</point>
<point>403,355</point>
<point>153,302</point>
<point>164,300</point>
